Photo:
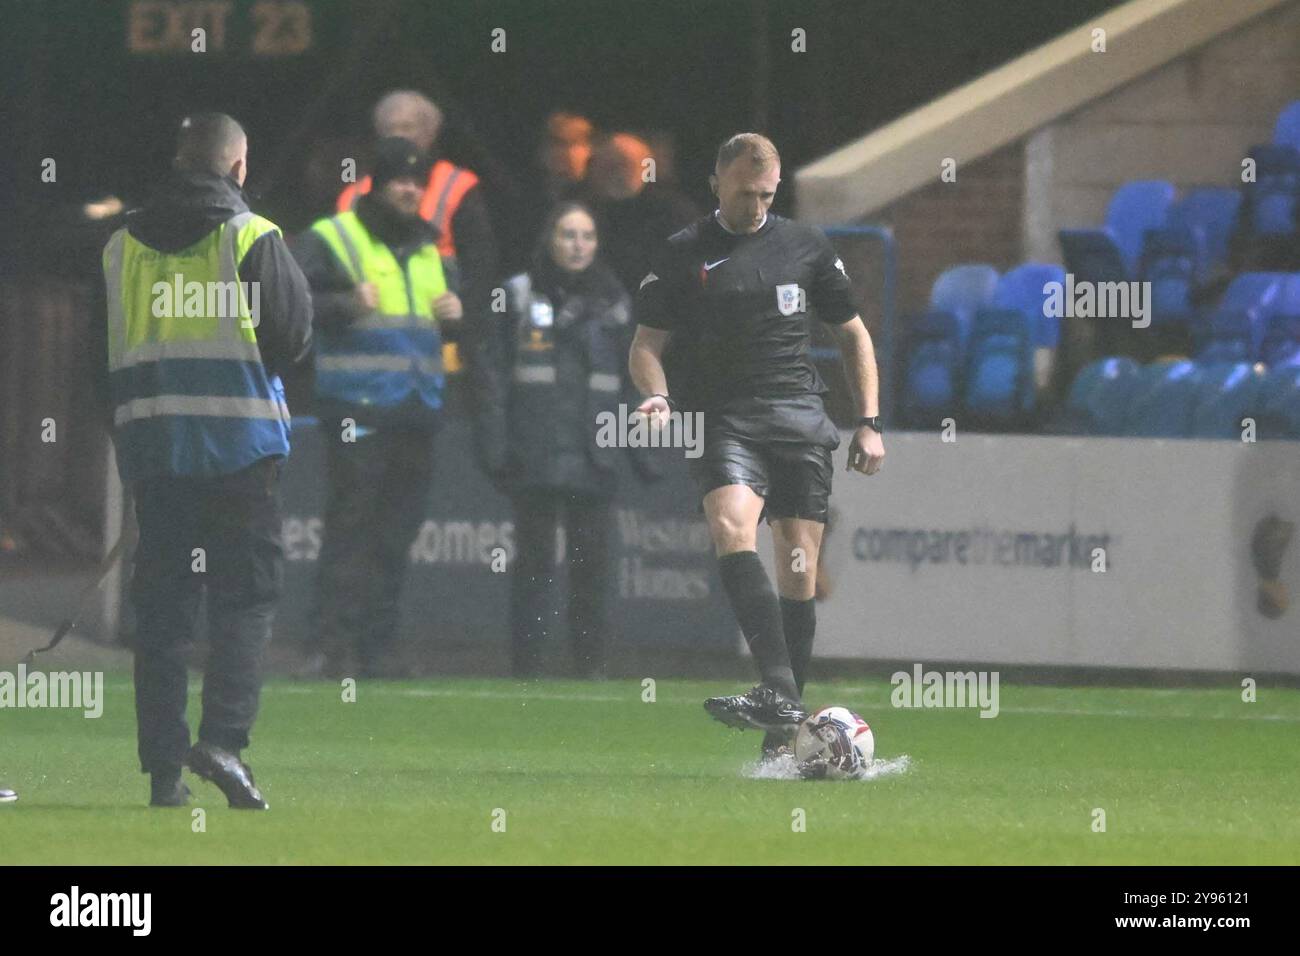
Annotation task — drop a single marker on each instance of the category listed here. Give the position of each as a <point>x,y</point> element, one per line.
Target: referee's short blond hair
<point>755,147</point>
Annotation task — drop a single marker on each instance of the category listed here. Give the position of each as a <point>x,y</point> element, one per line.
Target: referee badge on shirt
<point>789,298</point>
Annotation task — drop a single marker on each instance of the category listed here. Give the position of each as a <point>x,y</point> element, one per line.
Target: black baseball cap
<point>396,157</point>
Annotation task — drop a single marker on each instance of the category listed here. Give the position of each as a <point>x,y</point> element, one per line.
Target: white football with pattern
<point>834,743</point>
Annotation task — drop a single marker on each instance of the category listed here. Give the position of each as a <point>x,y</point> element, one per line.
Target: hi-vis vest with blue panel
<point>190,394</point>
<point>383,357</point>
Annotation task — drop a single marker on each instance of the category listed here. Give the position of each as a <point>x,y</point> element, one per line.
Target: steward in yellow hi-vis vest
<point>191,396</point>
<point>395,350</point>
<point>382,299</point>
<point>205,308</point>
<point>451,201</point>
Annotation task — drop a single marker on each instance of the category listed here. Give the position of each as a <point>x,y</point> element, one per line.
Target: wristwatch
<point>873,423</point>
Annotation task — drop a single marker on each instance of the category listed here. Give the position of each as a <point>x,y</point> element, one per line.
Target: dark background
<point>684,74</point>
<point>693,70</point>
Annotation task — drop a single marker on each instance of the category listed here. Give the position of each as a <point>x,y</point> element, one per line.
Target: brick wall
<point>975,219</point>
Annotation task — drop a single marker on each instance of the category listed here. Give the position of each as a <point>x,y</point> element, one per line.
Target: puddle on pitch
<point>785,768</point>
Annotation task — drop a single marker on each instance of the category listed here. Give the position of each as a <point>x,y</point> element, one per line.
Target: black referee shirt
<point>738,307</point>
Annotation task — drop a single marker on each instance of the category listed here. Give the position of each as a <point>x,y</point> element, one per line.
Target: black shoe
<point>170,792</point>
<point>763,708</point>
<point>231,775</point>
<point>7,796</point>
<point>776,747</point>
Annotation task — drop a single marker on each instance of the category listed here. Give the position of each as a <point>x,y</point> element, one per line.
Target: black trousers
<point>534,601</point>
<point>235,520</point>
<point>378,495</point>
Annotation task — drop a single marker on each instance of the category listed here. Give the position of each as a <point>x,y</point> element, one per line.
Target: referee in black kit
<point>725,307</point>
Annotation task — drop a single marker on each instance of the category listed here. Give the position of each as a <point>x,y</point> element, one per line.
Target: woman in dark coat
<point>560,364</point>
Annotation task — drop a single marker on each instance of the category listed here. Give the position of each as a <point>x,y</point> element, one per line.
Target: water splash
<point>785,767</point>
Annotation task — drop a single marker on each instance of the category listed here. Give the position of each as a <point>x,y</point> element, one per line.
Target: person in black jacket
<point>204,481</point>
<point>559,364</point>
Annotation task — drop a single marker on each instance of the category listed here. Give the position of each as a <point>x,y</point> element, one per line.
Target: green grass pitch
<point>412,773</point>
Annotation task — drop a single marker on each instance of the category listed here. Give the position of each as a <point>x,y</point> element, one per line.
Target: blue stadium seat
<point>932,368</point>
<point>1113,252</point>
<point>964,290</point>
<point>1252,290</point>
<point>1287,130</point>
<point>1282,332</point>
<point>1279,404</point>
<point>1288,294</point>
<point>1022,288</point>
<point>1229,393</point>
<point>1163,400</point>
<point>1100,396</point>
<point>1211,214</point>
<point>1234,332</point>
<point>1136,207</point>
<point>1000,368</point>
<point>1270,202</point>
<point>1171,262</point>
<point>1232,335</point>
<point>1190,248</point>
<point>1281,341</point>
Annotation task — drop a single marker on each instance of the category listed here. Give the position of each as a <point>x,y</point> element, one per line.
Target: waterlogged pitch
<point>492,772</point>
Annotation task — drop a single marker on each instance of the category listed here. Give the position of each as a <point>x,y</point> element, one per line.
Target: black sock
<point>759,613</point>
<point>799,620</point>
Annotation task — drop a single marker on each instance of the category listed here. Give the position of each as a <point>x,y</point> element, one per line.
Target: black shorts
<point>793,478</point>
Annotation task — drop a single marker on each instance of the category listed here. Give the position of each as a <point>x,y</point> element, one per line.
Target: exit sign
<point>170,27</point>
